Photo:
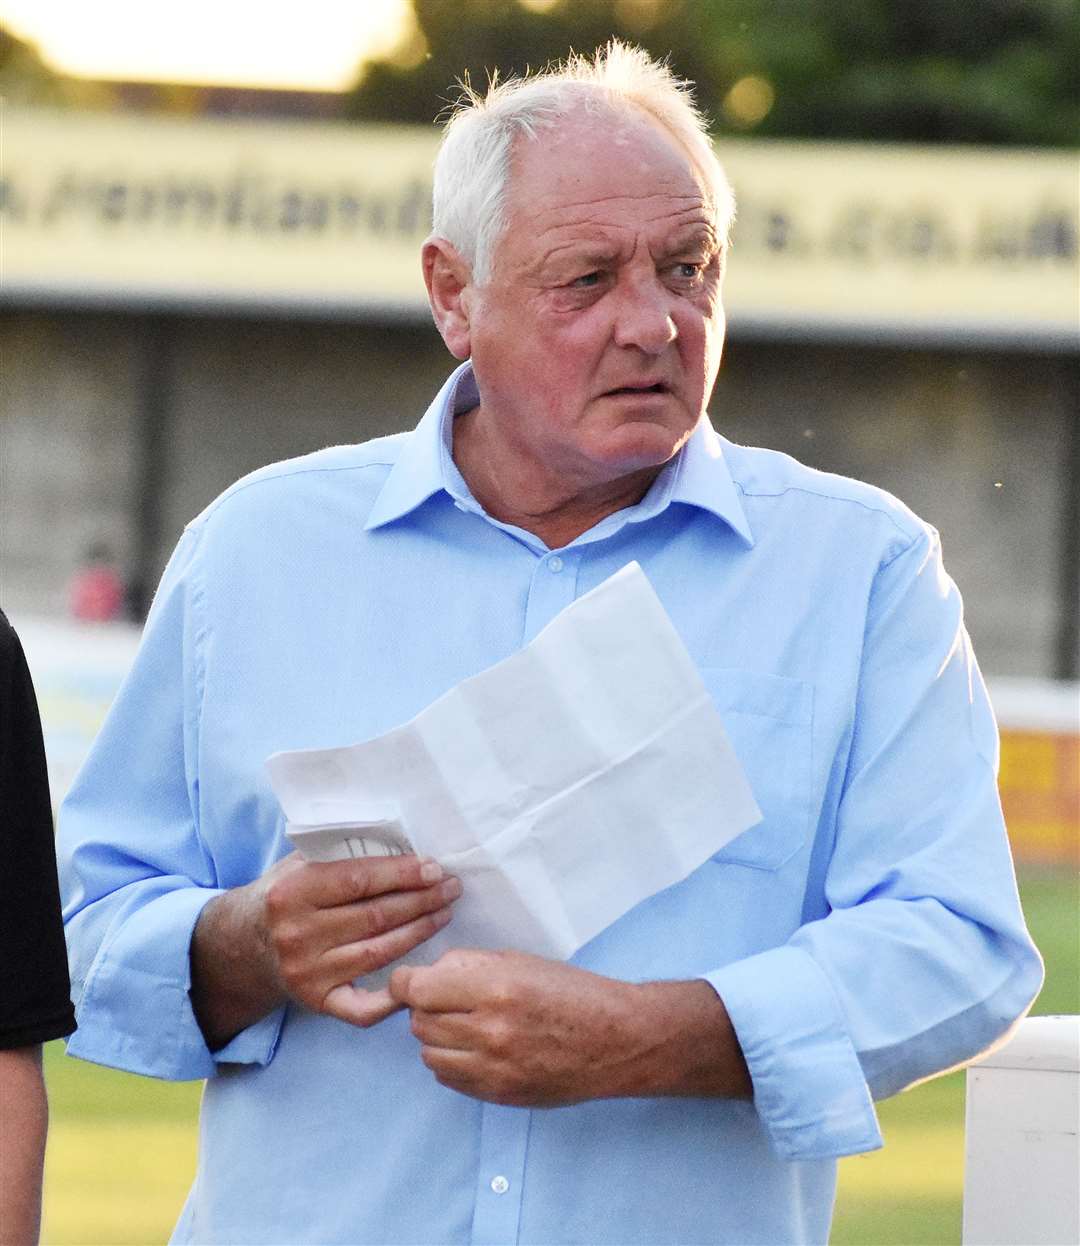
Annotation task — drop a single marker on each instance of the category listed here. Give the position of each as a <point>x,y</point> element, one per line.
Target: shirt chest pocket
<point>768,719</point>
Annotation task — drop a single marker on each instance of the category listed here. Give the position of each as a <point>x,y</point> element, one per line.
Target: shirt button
<point>500,1184</point>
<point>555,564</point>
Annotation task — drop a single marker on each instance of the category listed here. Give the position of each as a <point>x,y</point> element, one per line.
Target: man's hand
<point>304,931</point>
<point>516,1029</point>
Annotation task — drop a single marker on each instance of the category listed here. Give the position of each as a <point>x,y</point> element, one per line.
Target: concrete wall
<point>252,393</point>
<point>68,437</point>
<point>976,443</point>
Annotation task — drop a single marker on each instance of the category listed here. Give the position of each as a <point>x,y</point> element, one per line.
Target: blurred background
<point>210,218</point>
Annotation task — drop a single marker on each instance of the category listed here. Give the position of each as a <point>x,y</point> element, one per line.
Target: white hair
<point>472,169</point>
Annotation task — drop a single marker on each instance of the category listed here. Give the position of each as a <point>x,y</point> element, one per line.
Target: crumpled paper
<point>563,785</point>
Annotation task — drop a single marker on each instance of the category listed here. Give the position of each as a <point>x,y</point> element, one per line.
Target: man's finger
<point>359,1006</point>
<point>323,884</point>
<point>448,1031</point>
<point>452,984</point>
<point>353,960</point>
<point>400,983</point>
<point>421,986</point>
<point>366,919</point>
<point>470,1075</point>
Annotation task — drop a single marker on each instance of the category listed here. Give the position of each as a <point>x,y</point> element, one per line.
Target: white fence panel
<point>1022,1178</point>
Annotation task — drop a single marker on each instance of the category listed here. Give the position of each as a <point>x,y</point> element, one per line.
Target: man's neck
<point>528,495</point>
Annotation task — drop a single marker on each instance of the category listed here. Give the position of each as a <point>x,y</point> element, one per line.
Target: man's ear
<point>448,279</point>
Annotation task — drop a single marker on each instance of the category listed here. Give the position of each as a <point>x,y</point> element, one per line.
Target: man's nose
<point>643,316</point>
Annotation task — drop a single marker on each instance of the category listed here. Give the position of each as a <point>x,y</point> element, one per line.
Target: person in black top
<point>35,1002</point>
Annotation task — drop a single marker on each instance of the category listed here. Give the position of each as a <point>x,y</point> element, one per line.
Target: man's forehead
<point>578,150</point>
<point>615,226</point>
<point>581,178</point>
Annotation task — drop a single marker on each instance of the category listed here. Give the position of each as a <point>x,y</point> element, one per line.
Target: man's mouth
<point>658,387</point>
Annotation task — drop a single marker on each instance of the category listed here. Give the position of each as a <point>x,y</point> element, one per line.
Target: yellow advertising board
<point>1040,768</point>
<point>931,239</point>
<point>328,217</point>
<point>1040,793</point>
<point>100,206</point>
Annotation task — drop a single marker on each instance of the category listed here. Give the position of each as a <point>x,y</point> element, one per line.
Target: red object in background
<point>96,594</point>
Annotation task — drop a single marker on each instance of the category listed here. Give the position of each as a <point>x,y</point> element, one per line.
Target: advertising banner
<point>327,218</point>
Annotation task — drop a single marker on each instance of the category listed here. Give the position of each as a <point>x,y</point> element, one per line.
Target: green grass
<point>911,1192</point>
<point>122,1149</point>
<point>1052,908</point>
<point>121,1154</point>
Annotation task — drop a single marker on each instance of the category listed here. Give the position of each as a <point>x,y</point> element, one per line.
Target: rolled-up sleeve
<point>135,873</point>
<point>922,959</point>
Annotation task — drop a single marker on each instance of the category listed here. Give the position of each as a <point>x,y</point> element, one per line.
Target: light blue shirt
<point>864,935</point>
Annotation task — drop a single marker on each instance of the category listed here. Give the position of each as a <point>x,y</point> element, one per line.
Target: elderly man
<point>706,1058</point>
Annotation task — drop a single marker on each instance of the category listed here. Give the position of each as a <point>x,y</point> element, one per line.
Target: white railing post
<point>1022,1175</point>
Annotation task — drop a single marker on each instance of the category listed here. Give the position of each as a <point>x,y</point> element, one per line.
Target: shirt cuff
<point>256,1044</point>
<point>135,1012</point>
<point>809,1089</point>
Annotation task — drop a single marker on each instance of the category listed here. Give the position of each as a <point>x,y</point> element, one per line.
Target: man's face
<point>597,340</point>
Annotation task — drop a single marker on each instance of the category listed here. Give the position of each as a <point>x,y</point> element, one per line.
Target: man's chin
<point>638,445</point>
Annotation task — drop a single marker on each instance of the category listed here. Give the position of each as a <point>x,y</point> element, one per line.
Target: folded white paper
<point>563,786</point>
<point>336,841</point>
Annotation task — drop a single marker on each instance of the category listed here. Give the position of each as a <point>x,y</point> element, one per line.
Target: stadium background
<point>198,279</point>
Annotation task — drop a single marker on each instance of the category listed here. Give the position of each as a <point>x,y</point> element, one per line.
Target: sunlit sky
<point>314,45</point>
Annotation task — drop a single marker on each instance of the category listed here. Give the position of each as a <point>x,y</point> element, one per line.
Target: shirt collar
<point>697,476</point>
<point>700,477</point>
<point>426,465</point>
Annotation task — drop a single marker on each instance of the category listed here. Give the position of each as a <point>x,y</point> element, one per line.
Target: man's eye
<point>586,281</point>
<point>688,271</point>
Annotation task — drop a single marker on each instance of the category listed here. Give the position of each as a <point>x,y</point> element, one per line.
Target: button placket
<point>551,589</point>
<point>504,1134</point>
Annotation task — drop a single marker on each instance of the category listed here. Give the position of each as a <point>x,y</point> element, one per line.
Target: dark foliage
<point>978,71</point>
